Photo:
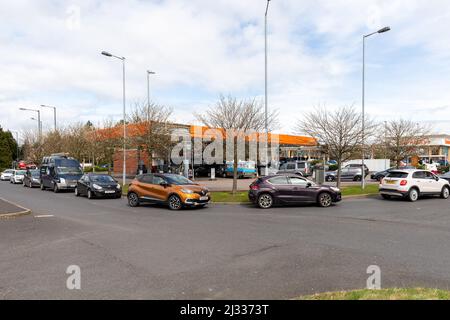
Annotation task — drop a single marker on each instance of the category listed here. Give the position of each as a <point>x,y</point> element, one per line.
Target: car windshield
<point>102,179</point>
<point>68,170</point>
<point>20,172</point>
<point>400,175</point>
<point>178,180</point>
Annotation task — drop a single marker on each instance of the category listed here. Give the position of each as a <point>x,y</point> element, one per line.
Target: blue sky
<point>201,49</point>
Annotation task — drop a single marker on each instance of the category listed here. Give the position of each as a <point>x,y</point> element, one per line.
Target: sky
<point>201,49</point>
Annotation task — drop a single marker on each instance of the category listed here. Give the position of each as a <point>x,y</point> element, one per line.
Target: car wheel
<point>90,195</point>
<point>133,199</point>
<point>42,186</point>
<point>445,194</point>
<point>325,200</point>
<point>386,196</point>
<point>77,194</point>
<point>29,185</point>
<point>174,202</point>
<point>329,178</point>
<point>357,178</point>
<point>24,184</point>
<point>55,188</point>
<point>265,201</point>
<point>413,195</point>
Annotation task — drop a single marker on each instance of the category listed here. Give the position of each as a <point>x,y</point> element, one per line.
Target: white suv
<point>412,183</point>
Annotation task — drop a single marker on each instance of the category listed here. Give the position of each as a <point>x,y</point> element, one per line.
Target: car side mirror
<point>164,184</point>
<point>309,185</point>
<point>437,178</point>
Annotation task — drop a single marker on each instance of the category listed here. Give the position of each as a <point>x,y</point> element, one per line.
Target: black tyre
<point>133,199</point>
<point>55,188</point>
<point>174,202</point>
<point>386,196</point>
<point>77,194</point>
<point>329,178</point>
<point>445,194</point>
<point>24,184</point>
<point>357,178</point>
<point>42,186</point>
<point>265,201</point>
<point>90,195</point>
<point>324,200</point>
<point>413,195</point>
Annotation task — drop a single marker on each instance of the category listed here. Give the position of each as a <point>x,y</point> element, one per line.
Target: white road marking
<point>44,216</point>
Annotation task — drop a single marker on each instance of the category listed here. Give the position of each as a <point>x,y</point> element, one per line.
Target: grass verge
<point>356,190</point>
<point>385,294</point>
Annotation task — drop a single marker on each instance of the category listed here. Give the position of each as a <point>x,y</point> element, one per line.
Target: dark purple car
<point>290,190</point>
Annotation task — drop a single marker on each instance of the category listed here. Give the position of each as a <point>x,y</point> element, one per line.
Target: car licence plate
<point>109,191</point>
<point>390,181</point>
<point>72,186</point>
<point>204,198</point>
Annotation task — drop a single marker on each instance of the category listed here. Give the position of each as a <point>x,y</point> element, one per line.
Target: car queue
<point>59,172</point>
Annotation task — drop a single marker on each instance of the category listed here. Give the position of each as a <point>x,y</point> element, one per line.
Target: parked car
<point>245,169</point>
<point>358,166</point>
<point>171,189</point>
<point>6,175</point>
<point>300,168</point>
<point>381,174</point>
<point>291,189</point>
<point>98,186</point>
<point>17,176</point>
<point>60,172</point>
<point>32,178</point>
<point>348,173</point>
<point>445,176</point>
<point>411,184</point>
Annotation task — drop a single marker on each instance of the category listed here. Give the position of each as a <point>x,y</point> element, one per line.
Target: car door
<point>346,173</point>
<point>301,190</point>
<point>83,184</point>
<point>432,186</point>
<point>282,188</point>
<point>44,175</point>
<point>419,180</point>
<point>146,187</point>
<point>159,191</point>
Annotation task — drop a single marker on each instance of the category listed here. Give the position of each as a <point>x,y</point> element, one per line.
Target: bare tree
<point>340,132</point>
<point>153,129</point>
<point>236,117</point>
<point>402,138</point>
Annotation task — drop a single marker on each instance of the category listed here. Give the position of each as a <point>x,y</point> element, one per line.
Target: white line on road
<point>44,216</point>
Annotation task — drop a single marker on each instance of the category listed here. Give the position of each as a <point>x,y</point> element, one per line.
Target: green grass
<point>386,294</point>
<point>229,197</point>
<point>356,190</point>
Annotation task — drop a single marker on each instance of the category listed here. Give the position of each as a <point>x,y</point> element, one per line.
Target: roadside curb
<point>24,212</point>
<point>361,196</point>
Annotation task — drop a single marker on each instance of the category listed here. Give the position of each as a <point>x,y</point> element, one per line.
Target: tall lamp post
<point>383,30</point>
<point>107,54</point>
<point>54,114</point>
<point>266,173</point>
<point>148,93</point>
<point>38,120</point>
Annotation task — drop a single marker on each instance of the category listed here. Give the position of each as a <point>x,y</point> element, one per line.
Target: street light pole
<point>265,90</point>
<point>148,92</point>
<point>38,119</point>
<point>54,114</point>
<point>385,29</point>
<point>124,174</point>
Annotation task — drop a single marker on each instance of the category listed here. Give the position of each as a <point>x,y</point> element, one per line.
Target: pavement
<point>220,252</point>
<point>8,209</point>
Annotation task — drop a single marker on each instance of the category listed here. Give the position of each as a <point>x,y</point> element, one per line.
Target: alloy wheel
<point>325,200</point>
<point>174,202</point>
<point>265,201</point>
<point>413,195</point>
<point>445,193</point>
<point>133,199</point>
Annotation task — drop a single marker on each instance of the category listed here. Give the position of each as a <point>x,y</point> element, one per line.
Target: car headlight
<point>62,180</point>
<point>335,189</point>
<point>187,191</point>
<point>118,186</point>
<point>96,186</point>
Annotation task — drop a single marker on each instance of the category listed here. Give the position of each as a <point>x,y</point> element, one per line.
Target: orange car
<point>174,190</point>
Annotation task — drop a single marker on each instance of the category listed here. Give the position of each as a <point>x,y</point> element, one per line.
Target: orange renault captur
<point>174,190</point>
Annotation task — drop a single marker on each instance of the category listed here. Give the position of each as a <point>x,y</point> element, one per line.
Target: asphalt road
<point>220,252</point>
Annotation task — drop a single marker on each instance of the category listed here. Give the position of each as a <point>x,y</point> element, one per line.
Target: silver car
<point>6,175</point>
<point>347,173</point>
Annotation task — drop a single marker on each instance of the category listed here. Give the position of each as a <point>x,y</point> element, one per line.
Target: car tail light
<point>404,183</point>
<point>254,187</point>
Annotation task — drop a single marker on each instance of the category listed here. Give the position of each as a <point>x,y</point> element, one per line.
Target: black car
<point>378,176</point>
<point>291,189</point>
<point>98,186</point>
<point>32,178</point>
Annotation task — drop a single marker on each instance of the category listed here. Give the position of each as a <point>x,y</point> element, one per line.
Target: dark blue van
<point>60,172</point>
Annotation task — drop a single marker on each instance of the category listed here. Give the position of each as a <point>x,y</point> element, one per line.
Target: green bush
<point>97,169</point>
